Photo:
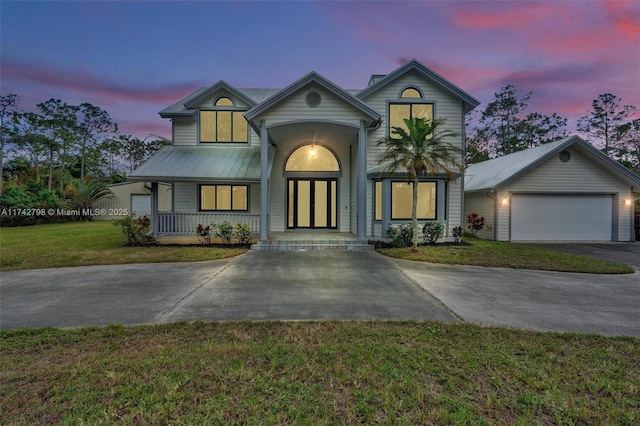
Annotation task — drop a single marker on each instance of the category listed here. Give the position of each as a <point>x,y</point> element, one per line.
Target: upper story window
<point>408,105</point>
<point>224,123</point>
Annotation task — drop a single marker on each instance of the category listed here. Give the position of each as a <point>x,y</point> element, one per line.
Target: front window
<point>406,107</point>
<point>223,124</point>
<point>402,200</point>
<point>224,198</point>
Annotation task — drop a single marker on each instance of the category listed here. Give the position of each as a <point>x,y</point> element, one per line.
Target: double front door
<point>312,203</point>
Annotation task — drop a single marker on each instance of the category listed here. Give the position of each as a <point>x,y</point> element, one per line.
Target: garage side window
<point>402,200</point>
<point>224,198</point>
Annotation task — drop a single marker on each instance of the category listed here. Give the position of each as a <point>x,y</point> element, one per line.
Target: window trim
<point>215,197</point>
<point>435,207</point>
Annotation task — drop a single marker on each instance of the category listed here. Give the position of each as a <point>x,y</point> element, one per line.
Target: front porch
<point>184,224</point>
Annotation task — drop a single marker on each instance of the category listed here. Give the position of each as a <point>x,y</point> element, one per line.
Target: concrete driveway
<point>264,285</point>
<point>626,253</point>
<point>538,300</point>
<point>258,285</point>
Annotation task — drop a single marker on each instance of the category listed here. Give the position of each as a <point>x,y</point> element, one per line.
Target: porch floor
<point>312,241</point>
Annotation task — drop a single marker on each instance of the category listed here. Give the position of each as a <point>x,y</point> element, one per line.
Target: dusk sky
<point>135,58</point>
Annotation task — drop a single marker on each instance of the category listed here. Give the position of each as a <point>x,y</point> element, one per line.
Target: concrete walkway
<point>319,285</point>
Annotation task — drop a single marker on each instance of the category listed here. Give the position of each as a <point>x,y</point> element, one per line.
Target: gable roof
<point>495,173</point>
<point>414,65</point>
<point>313,77</point>
<point>220,85</point>
<point>185,106</point>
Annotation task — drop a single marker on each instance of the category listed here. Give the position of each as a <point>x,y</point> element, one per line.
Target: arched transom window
<point>224,101</point>
<point>312,158</point>
<point>410,92</point>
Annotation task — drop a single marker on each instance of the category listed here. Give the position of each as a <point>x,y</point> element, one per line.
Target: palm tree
<point>85,193</point>
<point>420,150</point>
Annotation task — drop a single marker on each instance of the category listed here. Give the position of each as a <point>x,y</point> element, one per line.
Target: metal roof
<point>203,163</point>
<point>377,172</point>
<point>492,174</point>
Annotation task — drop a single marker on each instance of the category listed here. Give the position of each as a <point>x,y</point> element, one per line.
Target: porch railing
<point>186,223</point>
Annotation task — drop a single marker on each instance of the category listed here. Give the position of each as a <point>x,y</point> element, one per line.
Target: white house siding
<point>579,175</point>
<point>278,194</point>
<point>295,107</point>
<point>185,199</point>
<point>445,106</point>
<point>120,203</point>
<point>185,131</point>
<point>483,205</point>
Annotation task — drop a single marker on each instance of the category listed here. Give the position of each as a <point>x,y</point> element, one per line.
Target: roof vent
<point>313,99</point>
<point>565,156</point>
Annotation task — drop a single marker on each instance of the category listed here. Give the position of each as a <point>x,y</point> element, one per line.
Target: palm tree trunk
<point>414,212</point>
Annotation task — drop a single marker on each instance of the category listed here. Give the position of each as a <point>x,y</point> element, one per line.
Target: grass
<point>317,373</point>
<point>88,243</point>
<point>507,255</point>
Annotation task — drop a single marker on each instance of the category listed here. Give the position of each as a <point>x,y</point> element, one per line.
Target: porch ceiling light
<point>312,151</point>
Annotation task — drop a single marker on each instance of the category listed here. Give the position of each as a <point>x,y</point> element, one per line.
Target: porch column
<point>362,182</point>
<point>264,181</point>
<point>154,208</point>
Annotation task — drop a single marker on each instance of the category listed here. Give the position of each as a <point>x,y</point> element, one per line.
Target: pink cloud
<point>93,85</point>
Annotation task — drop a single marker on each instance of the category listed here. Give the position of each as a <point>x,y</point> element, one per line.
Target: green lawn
<point>317,373</point>
<point>507,255</point>
<point>88,243</point>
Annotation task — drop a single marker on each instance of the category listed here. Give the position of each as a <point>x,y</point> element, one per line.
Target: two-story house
<point>303,158</point>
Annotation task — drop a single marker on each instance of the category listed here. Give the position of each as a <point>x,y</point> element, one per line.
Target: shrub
<point>432,231</point>
<point>401,235</point>
<point>135,229</point>
<point>476,222</point>
<point>204,232</point>
<point>29,206</point>
<point>457,232</point>
<point>243,233</point>
<point>224,231</point>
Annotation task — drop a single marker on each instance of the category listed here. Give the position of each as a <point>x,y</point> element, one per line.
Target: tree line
<point>62,156</point>
<point>62,142</point>
<point>505,126</point>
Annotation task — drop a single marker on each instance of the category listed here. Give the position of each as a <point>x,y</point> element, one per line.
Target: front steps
<point>311,241</point>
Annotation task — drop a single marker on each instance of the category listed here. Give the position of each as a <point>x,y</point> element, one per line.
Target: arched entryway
<point>312,173</point>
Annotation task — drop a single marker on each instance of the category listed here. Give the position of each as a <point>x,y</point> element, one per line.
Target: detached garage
<point>562,191</point>
<point>132,197</point>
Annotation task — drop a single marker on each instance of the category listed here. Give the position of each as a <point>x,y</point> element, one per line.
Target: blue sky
<point>135,58</point>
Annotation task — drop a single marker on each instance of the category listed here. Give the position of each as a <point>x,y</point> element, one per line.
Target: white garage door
<point>544,217</point>
<point>141,205</point>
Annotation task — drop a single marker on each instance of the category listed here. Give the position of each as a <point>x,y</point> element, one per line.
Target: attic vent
<point>313,99</point>
<point>565,156</point>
